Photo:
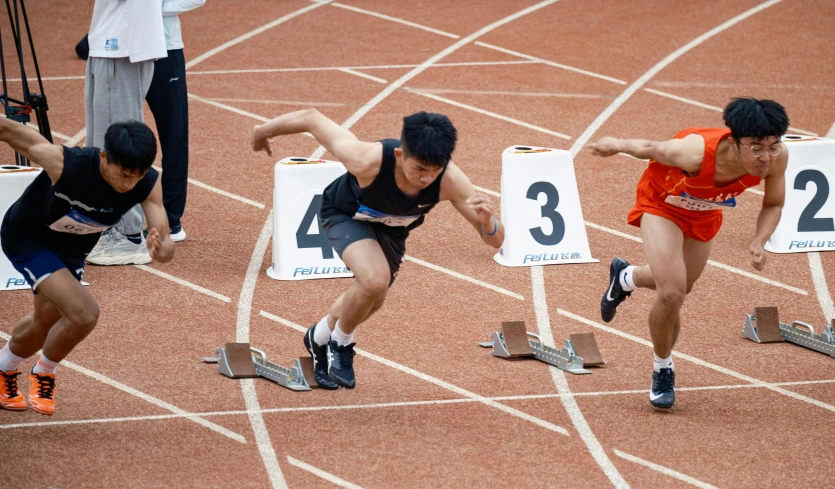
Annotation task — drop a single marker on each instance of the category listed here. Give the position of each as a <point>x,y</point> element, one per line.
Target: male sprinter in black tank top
<point>368,212</point>
<point>47,233</point>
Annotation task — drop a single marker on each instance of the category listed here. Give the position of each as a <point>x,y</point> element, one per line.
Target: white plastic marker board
<point>301,250</point>
<point>540,209</point>
<point>13,181</point>
<point>808,219</point>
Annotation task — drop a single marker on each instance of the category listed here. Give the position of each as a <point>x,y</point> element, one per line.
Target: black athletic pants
<point>168,100</point>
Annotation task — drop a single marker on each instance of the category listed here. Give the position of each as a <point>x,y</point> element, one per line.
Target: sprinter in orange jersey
<point>678,207</point>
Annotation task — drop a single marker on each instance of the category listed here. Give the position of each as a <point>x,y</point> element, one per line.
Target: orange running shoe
<point>10,396</point>
<point>41,393</point>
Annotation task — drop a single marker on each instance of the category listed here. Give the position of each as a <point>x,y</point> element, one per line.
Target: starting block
<point>764,327</point>
<point>241,361</point>
<point>514,341</point>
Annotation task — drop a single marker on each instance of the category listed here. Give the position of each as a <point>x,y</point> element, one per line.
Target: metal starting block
<point>240,361</point>
<point>515,341</point>
<point>768,329</point>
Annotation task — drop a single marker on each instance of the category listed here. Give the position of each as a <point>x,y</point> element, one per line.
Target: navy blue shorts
<point>39,265</point>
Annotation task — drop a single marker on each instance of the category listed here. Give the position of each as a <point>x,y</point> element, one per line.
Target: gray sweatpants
<point>114,91</point>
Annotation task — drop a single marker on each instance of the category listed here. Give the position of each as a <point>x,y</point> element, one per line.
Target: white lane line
<point>507,93</point>
<point>700,362</point>
<point>76,137</point>
<point>491,114</point>
<point>322,474</point>
<point>757,277</point>
<point>184,283</point>
<point>710,262</point>
<point>543,322</point>
<point>386,405</point>
<point>223,47</point>
<point>54,133</point>
<point>50,78</point>
<point>221,192</point>
<point>228,107</point>
<point>711,107</point>
<point>664,470</point>
<point>821,288</point>
<point>435,381</point>
<point>551,63</point>
<point>396,19</point>
<point>253,406</point>
<point>363,75</point>
<point>466,278</point>
<point>640,82</point>
<point>281,102</point>
<point>147,398</point>
<point>363,67</point>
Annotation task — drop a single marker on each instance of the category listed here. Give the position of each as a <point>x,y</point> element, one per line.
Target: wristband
<point>495,230</point>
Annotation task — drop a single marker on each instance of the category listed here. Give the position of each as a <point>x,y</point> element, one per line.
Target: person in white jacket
<point>125,38</point>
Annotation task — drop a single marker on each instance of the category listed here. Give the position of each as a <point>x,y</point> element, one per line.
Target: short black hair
<point>429,137</point>
<point>131,145</point>
<point>759,119</point>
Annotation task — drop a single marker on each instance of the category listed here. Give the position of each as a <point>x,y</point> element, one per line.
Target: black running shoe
<point>663,394</point>
<point>341,364</point>
<point>614,294</point>
<point>320,361</point>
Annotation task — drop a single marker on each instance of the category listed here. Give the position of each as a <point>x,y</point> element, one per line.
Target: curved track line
<point>537,279</point>
<point>543,322</point>
<point>254,32</point>
<point>251,281</point>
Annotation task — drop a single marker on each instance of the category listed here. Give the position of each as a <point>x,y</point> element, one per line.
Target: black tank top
<point>69,217</point>
<point>382,202</point>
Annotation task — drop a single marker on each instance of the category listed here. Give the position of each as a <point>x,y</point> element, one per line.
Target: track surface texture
<point>137,408</point>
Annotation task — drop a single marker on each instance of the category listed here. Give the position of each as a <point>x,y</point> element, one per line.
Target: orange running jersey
<point>694,203</point>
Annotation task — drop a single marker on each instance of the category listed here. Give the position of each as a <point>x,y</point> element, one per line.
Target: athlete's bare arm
<point>361,159</point>
<point>476,208</point>
<point>772,209</point>
<point>33,146</point>
<point>159,243</point>
<point>686,153</point>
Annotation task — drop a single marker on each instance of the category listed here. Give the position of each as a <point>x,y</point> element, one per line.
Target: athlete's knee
<point>671,295</point>
<point>375,284</point>
<point>84,316</point>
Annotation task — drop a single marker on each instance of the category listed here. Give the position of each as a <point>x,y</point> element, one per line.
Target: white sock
<point>341,338</point>
<point>663,363</point>
<point>322,332</point>
<point>8,360</point>
<point>626,282</point>
<point>45,366</point>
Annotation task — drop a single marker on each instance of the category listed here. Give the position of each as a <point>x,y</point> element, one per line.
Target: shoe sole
<point>9,408</point>
<point>131,261</point>
<point>38,410</point>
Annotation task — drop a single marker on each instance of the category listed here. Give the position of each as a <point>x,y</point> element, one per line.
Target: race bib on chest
<point>368,214</point>
<point>691,203</point>
<point>75,223</point>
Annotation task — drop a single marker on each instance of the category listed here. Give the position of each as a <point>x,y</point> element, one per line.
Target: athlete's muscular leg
<point>336,310</point>
<point>368,292</point>
<point>666,272</point>
<point>78,316</point>
<point>30,332</point>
